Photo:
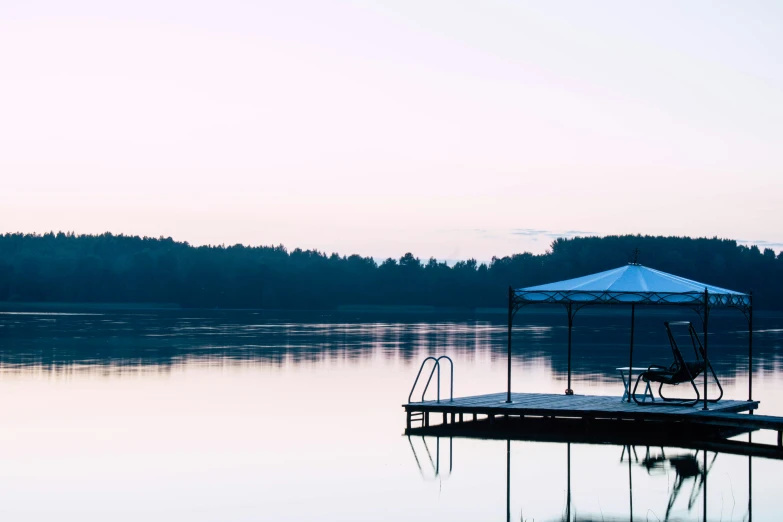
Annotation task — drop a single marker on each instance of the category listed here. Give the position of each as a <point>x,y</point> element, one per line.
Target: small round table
<point>627,383</point>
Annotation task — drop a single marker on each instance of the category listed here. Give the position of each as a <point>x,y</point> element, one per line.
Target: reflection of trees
<point>124,339</point>
<point>165,338</point>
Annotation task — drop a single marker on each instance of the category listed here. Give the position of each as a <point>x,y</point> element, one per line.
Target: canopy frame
<point>575,300</point>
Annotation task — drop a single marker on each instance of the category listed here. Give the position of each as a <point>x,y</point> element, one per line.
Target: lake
<point>225,415</point>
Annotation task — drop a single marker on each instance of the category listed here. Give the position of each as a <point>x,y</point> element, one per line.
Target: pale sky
<point>448,129</point>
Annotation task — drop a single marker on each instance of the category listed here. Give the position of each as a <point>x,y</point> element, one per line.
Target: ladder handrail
<point>419,375</point>
<point>435,367</point>
<point>432,372</point>
<point>451,377</point>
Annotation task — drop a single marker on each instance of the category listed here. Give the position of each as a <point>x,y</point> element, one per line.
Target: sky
<point>444,128</point>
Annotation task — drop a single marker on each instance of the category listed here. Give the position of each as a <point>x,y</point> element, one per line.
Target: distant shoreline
<point>16,306</point>
<point>116,272</point>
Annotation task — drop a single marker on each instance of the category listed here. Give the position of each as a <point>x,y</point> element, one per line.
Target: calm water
<point>268,416</point>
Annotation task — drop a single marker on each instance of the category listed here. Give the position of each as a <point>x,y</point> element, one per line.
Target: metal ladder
<point>418,415</point>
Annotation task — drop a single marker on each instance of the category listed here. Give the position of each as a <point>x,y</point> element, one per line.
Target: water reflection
<point>112,340</point>
<point>431,470</point>
<point>217,415</point>
<point>671,483</point>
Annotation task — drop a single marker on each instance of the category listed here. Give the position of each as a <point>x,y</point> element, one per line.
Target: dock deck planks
<point>576,406</point>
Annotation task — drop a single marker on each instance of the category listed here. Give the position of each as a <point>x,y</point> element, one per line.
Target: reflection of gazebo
<point>633,285</point>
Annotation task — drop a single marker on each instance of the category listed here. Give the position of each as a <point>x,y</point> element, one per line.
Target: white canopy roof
<point>629,284</point>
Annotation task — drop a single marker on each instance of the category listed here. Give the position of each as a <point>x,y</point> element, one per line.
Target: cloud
<point>760,243</point>
<point>529,232</point>
<point>532,232</point>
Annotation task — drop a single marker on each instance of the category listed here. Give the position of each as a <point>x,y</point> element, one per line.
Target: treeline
<point>64,267</point>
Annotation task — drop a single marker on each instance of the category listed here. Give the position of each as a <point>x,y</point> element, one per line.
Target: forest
<point>108,268</point>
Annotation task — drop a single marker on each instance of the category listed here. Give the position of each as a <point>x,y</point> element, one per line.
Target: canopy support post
<point>510,320</point>
<point>569,391</point>
<point>706,360</point>
<point>630,359</point>
<point>750,349</point>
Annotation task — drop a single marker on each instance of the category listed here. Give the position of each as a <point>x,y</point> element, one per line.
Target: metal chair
<point>680,371</point>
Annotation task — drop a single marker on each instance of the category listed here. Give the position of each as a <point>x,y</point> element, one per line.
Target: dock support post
<point>409,419</point>
<point>780,438</point>
<point>460,418</point>
<point>706,378</point>
<point>750,349</point>
<point>510,320</point>
<point>426,418</point>
<point>630,359</point>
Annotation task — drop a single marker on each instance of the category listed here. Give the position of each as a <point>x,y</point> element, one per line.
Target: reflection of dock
<point>685,472</point>
<point>599,419</point>
<point>690,435</point>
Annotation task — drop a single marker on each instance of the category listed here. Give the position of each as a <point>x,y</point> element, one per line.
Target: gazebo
<point>633,285</point>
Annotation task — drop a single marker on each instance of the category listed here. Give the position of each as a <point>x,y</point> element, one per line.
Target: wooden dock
<point>565,406</point>
<point>594,418</point>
